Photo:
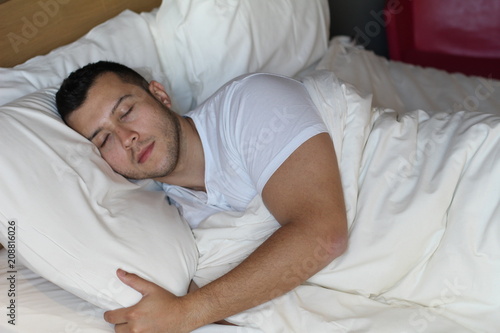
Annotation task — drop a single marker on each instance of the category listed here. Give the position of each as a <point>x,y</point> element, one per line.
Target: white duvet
<point>422,195</point>
<point>423,201</point>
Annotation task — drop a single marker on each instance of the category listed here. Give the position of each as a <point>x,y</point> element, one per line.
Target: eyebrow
<point>93,135</point>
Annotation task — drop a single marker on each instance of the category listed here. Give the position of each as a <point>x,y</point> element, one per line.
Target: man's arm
<point>305,196</point>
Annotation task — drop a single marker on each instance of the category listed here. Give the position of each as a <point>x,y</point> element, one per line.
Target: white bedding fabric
<point>32,181</point>
<point>43,307</point>
<point>426,267</point>
<point>202,44</point>
<point>76,220</point>
<point>104,42</point>
<point>405,87</point>
<point>423,205</point>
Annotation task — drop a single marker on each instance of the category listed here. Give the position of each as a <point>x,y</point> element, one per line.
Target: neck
<point>190,169</point>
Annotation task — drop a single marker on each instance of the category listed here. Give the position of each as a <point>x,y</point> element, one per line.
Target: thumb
<point>134,281</point>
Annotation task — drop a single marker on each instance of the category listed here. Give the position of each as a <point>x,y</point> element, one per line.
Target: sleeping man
<point>259,134</point>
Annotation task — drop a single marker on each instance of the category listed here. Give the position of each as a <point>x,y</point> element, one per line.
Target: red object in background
<point>454,35</point>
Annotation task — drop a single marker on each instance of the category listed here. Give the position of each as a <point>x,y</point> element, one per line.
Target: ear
<point>158,91</point>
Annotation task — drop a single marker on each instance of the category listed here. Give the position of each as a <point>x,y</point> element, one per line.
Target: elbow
<point>331,246</point>
<point>339,245</point>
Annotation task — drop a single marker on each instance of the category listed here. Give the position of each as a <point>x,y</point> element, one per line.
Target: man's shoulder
<point>259,78</point>
<point>259,83</point>
<point>249,96</point>
<point>262,82</point>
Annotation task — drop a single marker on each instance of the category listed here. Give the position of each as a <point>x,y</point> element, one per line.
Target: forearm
<point>289,257</point>
<point>313,233</point>
<point>305,196</point>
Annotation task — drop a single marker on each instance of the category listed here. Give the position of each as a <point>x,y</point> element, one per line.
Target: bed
<point>418,152</point>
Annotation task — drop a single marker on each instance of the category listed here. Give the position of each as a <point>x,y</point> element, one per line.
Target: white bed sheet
<point>405,87</point>
<point>43,307</point>
<point>424,217</point>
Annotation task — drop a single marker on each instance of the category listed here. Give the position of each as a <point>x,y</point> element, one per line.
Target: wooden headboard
<point>30,28</point>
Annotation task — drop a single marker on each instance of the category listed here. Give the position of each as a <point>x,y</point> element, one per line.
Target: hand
<point>157,311</point>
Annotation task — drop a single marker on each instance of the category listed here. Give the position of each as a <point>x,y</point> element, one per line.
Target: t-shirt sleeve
<point>272,116</point>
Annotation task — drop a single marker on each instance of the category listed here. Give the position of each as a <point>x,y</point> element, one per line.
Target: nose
<point>127,137</point>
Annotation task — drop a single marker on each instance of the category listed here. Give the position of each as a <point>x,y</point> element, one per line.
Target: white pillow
<point>76,221</point>
<point>125,38</point>
<point>204,43</point>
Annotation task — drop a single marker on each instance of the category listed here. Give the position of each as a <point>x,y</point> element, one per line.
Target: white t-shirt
<point>248,128</point>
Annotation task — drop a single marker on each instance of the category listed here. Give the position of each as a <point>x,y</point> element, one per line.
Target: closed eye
<point>124,116</point>
<point>104,141</point>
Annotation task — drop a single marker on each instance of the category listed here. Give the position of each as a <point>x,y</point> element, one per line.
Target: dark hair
<point>74,89</point>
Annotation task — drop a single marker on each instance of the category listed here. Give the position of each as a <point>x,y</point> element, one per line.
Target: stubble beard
<point>171,128</point>
<point>173,148</point>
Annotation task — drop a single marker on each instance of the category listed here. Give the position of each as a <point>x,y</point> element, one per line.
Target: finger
<point>116,317</point>
<point>134,281</point>
<point>121,328</point>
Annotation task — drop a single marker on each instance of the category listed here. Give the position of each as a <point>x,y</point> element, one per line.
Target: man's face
<point>136,134</point>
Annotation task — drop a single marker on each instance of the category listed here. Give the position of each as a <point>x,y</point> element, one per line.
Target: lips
<point>144,155</point>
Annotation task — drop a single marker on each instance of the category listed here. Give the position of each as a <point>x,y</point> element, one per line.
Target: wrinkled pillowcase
<point>205,43</point>
<point>74,221</point>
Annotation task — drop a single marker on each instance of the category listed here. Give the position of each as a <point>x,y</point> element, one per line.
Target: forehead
<point>108,87</point>
<point>101,98</point>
